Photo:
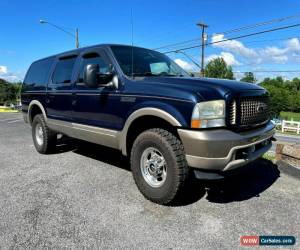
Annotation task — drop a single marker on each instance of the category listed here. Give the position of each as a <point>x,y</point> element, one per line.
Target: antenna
<point>131,19</point>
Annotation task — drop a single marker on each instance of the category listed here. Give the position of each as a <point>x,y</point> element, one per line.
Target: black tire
<point>48,142</point>
<point>177,170</point>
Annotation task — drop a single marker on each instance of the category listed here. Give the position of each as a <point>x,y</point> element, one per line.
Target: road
<point>288,138</point>
<point>84,197</point>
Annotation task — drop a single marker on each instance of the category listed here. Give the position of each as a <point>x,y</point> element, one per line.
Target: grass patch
<point>7,110</point>
<point>268,156</point>
<point>290,116</point>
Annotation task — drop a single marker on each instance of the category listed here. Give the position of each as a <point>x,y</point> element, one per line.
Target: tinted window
<point>144,62</point>
<point>63,71</point>
<point>92,58</point>
<point>38,73</point>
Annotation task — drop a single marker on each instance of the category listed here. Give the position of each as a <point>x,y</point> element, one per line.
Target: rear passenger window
<point>63,71</point>
<point>38,74</point>
<point>92,58</point>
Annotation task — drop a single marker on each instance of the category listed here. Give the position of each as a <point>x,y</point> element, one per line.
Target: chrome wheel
<point>153,167</point>
<point>39,134</point>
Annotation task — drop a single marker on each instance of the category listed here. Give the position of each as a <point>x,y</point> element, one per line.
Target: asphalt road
<point>84,197</point>
<point>287,138</point>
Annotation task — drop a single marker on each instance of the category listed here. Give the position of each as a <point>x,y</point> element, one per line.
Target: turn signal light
<point>195,123</point>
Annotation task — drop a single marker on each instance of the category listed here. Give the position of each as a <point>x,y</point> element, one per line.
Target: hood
<point>207,88</point>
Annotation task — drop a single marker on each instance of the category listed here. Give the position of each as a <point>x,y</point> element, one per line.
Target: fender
<point>143,112</point>
<point>30,106</point>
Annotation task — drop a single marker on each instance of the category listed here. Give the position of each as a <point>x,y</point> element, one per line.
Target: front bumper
<point>222,149</point>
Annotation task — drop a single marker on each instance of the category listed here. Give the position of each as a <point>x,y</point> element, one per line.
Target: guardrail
<point>290,126</point>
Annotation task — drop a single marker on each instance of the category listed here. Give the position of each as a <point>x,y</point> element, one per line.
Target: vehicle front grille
<point>249,111</point>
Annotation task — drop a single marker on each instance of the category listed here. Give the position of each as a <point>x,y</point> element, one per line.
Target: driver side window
<point>92,58</point>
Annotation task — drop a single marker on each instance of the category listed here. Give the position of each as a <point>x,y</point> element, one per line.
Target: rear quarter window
<point>38,75</point>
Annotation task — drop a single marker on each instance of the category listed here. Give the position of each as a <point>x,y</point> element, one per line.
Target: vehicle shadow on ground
<point>101,153</point>
<point>253,180</point>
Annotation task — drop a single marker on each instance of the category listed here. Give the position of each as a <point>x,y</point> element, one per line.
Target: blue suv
<point>172,126</point>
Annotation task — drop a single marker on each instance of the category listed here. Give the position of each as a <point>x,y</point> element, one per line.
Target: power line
<point>190,58</point>
<point>268,71</point>
<point>249,42</point>
<point>281,19</point>
<point>236,30</point>
<point>174,44</point>
<point>270,40</point>
<point>237,37</point>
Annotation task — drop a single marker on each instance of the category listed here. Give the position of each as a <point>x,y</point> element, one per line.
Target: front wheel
<point>159,166</point>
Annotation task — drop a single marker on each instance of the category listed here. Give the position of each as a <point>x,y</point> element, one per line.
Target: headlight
<point>209,114</point>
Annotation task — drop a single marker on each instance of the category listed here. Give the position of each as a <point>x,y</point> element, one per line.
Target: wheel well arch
<point>35,107</point>
<point>145,119</point>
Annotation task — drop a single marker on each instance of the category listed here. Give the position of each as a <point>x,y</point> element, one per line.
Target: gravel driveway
<point>84,197</point>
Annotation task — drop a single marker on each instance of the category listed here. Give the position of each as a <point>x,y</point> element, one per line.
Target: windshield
<point>145,62</point>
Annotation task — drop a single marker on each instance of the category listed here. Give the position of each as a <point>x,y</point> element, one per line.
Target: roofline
<point>78,51</point>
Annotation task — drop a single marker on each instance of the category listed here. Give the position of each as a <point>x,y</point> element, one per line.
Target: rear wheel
<point>159,166</point>
<point>44,139</point>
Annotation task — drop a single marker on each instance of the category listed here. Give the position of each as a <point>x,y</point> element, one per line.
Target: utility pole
<point>203,41</point>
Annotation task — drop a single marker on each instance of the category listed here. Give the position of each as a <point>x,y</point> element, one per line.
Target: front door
<point>95,106</point>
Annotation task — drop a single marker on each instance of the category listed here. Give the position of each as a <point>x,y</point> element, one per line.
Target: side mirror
<point>90,75</point>
<point>104,79</point>
<point>93,79</point>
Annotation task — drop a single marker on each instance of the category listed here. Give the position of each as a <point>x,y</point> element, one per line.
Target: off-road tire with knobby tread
<point>177,169</point>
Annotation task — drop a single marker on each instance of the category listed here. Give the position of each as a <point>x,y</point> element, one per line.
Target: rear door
<point>95,106</point>
<point>59,92</point>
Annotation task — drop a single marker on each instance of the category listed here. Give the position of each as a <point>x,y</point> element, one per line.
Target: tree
<point>249,77</point>
<point>285,95</point>
<point>218,68</point>
<point>9,92</point>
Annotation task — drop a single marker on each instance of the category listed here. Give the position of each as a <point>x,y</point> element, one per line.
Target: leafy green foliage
<point>218,68</point>
<point>285,94</point>
<point>249,77</point>
<point>9,92</point>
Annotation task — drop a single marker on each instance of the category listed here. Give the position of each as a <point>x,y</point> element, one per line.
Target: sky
<point>155,24</point>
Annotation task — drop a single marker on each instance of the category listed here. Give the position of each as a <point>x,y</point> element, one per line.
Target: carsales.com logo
<point>253,240</point>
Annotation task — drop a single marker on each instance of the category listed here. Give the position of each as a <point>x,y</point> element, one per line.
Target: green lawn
<point>6,109</point>
<point>290,116</point>
<point>269,157</point>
